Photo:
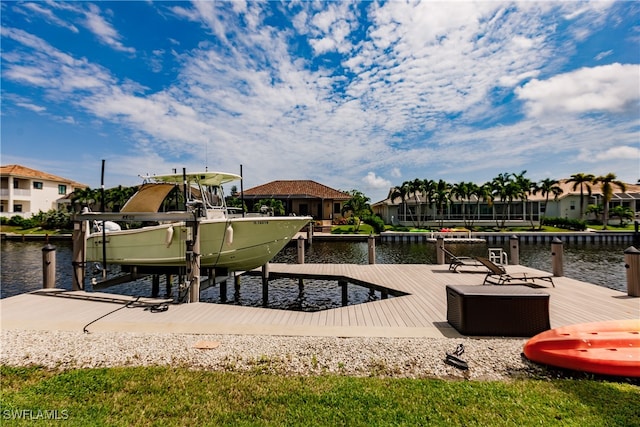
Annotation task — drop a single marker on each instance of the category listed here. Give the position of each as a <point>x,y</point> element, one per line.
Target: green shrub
<point>376,222</point>
<point>566,223</point>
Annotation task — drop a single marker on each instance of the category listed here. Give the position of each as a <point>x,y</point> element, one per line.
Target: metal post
<point>168,280</point>
<point>345,293</point>
<point>557,252</point>
<point>193,263</point>
<point>372,249</point>
<point>514,245</point>
<point>632,264</point>
<point>223,291</point>
<point>300,250</point>
<point>310,233</point>
<point>439,252</point>
<point>79,251</point>
<point>155,286</point>
<point>265,284</point>
<point>49,267</point>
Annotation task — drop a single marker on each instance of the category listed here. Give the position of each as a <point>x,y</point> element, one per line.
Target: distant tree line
<point>508,188</point>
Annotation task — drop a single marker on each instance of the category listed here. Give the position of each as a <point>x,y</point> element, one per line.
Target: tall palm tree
<point>548,187</point>
<point>413,188</point>
<point>525,189</point>
<point>500,190</point>
<point>484,193</point>
<point>584,181</point>
<point>400,192</point>
<point>441,196</point>
<point>463,191</point>
<point>608,181</point>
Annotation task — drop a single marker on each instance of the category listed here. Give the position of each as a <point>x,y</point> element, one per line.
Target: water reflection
<point>21,270</point>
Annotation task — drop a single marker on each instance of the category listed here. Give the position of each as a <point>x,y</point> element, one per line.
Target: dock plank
<point>421,312</point>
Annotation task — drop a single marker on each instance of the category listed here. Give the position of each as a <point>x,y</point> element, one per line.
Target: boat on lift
<point>227,240</point>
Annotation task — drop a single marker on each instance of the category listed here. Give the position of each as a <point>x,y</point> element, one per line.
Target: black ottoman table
<point>510,310</point>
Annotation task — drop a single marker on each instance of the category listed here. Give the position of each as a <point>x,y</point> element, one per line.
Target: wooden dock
<point>420,313</point>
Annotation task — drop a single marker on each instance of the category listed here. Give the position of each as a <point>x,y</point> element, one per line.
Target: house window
<point>573,206</point>
<point>62,189</point>
<point>336,208</point>
<point>37,185</point>
<point>16,183</point>
<point>17,208</point>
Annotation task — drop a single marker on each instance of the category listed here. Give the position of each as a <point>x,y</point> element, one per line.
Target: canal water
<point>603,265</point>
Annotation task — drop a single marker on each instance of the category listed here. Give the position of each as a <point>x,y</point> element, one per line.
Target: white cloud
<point>416,88</point>
<point>623,152</point>
<point>607,88</point>
<point>373,181</point>
<point>104,30</point>
<point>32,107</point>
<point>49,16</point>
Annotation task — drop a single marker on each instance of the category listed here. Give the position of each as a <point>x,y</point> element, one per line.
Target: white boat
<point>227,240</point>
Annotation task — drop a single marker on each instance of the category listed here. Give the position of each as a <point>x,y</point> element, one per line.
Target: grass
<point>36,230</point>
<point>137,396</point>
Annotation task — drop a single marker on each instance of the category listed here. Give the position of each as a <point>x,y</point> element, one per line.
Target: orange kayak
<point>609,348</point>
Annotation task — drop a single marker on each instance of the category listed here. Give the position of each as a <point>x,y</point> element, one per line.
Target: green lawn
<point>180,396</point>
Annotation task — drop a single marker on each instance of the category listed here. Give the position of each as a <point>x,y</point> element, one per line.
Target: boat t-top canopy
<point>202,178</point>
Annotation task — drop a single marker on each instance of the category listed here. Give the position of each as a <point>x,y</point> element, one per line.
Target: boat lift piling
<point>192,254</point>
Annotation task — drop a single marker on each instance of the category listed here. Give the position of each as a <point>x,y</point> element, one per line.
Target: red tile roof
<point>295,189</point>
<point>25,172</point>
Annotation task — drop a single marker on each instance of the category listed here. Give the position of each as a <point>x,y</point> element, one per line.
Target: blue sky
<point>355,95</point>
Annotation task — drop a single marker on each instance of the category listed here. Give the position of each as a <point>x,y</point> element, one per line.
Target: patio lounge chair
<point>497,275</point>
<point>456,261</point>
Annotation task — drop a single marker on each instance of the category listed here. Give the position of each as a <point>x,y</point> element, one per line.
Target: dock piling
<point>514,245</point>
<point>632,264</point>
<point>300,250</point>
<point>49,267</point>
<point>439,253</point>
<point>557,252</point>
<point>371,242</point>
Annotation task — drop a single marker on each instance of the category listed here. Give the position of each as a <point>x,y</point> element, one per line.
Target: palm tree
<point>500,189</point>
<point>484,193</point>
<point>400,192</point>
<point>417,187</point>
<point>84,197</point>
<point>622,212</point>
<point>441,196</point>
<point>608,181</point>
<point>582,180</point>
<point>525,188</point>
<point>596,210</point>
<point>359,207</point>
<point>548,187</point>
<point>463,191</point>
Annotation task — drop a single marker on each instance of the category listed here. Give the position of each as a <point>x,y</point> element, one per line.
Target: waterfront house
<point>301,197</point>
<point>416,210</point>
<point>25,191</point>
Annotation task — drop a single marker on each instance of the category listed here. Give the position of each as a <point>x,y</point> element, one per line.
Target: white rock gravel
<point>488,359</point>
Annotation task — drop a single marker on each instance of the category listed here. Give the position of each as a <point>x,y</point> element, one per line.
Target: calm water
<point>21,270</point>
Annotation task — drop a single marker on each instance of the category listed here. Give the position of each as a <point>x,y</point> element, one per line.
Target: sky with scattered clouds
<point>355,95</point>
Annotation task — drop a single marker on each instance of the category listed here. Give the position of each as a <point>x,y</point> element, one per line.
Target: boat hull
<point>609,348</point>
<point>236,244</point>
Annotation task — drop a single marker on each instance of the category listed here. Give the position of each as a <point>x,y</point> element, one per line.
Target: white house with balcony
<point>25,191</point>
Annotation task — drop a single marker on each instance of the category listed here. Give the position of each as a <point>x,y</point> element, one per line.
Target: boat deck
<point>420,313</point>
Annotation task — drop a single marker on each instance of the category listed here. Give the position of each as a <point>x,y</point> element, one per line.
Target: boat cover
<point>202,178</point>
<point>148,198</point>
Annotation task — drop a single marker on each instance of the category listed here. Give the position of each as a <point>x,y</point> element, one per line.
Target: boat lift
<point>192,253</point>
